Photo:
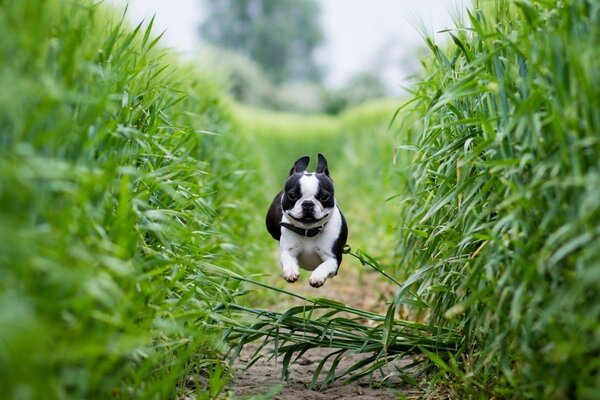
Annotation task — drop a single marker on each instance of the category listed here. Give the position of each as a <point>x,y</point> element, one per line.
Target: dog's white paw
<point>291,275</point>
<point>317,279</point>
<point>322,273</point>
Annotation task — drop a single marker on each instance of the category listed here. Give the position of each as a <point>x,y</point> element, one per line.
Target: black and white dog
<point>309,225</point>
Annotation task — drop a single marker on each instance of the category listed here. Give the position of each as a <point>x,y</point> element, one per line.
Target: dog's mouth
<point>309,219</point>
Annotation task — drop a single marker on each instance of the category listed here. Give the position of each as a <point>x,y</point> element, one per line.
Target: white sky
<point>380,35</point>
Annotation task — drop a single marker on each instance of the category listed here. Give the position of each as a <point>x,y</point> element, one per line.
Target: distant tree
<point>280,35</point>
<point>364,86</point>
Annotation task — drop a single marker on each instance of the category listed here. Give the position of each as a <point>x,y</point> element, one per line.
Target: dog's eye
<point>292,196</point>
<point>324,197</point>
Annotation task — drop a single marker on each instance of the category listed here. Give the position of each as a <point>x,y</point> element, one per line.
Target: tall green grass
<point>500,224</point>
<point>114,196</point>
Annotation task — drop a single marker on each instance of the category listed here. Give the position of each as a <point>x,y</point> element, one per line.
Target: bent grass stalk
<point>323,323</point>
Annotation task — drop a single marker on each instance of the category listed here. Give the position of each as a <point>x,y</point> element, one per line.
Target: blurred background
<point>301,55</point>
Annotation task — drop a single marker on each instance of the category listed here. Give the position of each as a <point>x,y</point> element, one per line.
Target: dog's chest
<point>310,252</point>
<point>309,257</point>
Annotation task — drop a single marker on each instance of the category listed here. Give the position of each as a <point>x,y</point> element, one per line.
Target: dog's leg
<point>289,264</point>
<point>326,270</point>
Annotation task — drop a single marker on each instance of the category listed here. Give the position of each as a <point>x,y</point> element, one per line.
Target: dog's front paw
<point>317,280</point>
<point>291,275</point>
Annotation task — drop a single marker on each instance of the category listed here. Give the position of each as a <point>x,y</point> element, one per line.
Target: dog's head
<point>308,198</point>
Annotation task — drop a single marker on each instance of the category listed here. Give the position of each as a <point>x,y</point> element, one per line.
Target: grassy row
<point>501,222</point>
<point>115,197</point>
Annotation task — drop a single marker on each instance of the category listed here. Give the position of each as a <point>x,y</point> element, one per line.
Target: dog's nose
<point>308,205</point>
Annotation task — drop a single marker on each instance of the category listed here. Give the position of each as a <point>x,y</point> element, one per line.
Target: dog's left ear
<point>322,165</point>
<point>300,165</point>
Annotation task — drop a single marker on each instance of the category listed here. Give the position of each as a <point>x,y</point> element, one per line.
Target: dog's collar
<point>304,232</point>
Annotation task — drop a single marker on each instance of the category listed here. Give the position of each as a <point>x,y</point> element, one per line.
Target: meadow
<point>134,262</point>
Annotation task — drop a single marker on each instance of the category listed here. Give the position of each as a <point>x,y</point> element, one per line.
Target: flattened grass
<point>324,323</point>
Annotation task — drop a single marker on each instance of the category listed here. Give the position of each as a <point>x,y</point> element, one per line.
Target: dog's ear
<point>322,165</point>
<point>300,165</point>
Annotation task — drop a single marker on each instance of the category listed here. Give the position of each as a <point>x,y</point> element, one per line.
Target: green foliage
<point>248,84</point>
<point>280,35</point>
<point>244,79</point>
<point>501,219</point>
<point>112,197</point>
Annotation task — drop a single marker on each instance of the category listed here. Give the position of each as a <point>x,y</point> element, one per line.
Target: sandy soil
<point>265,376</point>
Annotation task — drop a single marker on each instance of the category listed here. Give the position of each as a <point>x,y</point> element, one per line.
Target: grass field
<point>503,208</point>
<point>133,255</point>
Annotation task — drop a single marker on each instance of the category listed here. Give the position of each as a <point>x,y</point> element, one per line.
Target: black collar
<point>303,232</point>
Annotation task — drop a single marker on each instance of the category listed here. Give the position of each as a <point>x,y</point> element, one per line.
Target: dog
<point>306,220</point>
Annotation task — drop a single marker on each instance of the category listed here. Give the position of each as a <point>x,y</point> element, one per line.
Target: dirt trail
<point>265,375</point>
<point>361,289</point>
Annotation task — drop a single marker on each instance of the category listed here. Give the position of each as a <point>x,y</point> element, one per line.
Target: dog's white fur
<point>311,229</point>
<point>313,253</point>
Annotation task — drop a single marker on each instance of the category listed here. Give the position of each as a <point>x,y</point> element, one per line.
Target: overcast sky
<point>382,35</point>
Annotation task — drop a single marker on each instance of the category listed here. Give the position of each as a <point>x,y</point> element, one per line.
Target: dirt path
<point>265,376</point>
<point>356,288</point>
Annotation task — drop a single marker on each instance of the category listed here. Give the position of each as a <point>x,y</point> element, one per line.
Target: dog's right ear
<point>300,165</point>
<point>322,165</point>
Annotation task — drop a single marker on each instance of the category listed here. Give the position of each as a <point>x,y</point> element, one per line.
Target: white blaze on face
<point>309,188</point>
